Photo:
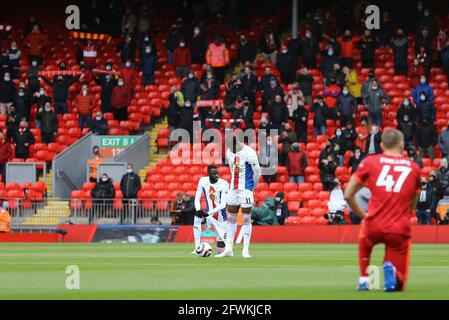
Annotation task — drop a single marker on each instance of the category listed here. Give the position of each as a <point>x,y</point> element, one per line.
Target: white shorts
<point>242,198</point>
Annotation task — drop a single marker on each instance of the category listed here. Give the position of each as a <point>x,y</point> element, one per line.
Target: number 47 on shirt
<point>386,180</point>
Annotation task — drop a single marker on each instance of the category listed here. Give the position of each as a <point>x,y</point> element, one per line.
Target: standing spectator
<point>425,108</point>
<point>266,81</point>
<point>300,116</point>
<point>374,101</point>
<point>250,83</point>
<point>426,138</point>
<point>294,99</point>
<point>129,75</point>
<point>188,211</point>
<point>331,94</point>
<point>107,83</point>
<point>287,138</point>
<point>103,194</point>
<point>424,61</point>
<point>191,87</point>
<point>338,75</point>
<point>347,47</point>
<point>330,59</point>
<point>99,125</point>
<point>337,203</point>
<point>443,141</point>
<point>423,87</point>
<point>368,47</point>
<point>287,65</point>
<point>127,49</point>
<point>400,49</point>
<point>182,59</point>
<point>352,82</point>
<point>5,63</point>
<point>406,109</point>
<point>175,210</point>
<point>129,21</point>
<point>386,31</point>
<point>320,110</point>
<point>61,86</point>
<point>33,77</point>
<point>93,163</point>
<point>269,94</point>
<point>198,45</point>
<point>218,58</point>
<point>120,100</point>
<point>48,123</point>
<point>22,101</point>
<point>327,172</point>
<point>35,42</point>
<point>268,161</point>
<point>296,164</point>
<point>425,206</point>
<point>278,114</point>
<point>90,54</point>
<point>407,127</point>
<point>281,208</point>
<point>424,40</point>
<point>310,49</point>
<point>246,51</point>
<point>356,159</point>
<point>269,45</point>
<point>172,41</point>
<point>5,154</point>
<point>373,141</point>
<point>305,81</point>
<point>12,123</point>
<point>349,134</point>
<point>23,139</point>
<point>130,185</point>
<point>176,101</point>
<point>14,57</point>
<point>7,92</point>
<point>346,107</point>
<point>186,118</point>
<point>445,58</point>
<point>148,65</point>
<point>84,103</point>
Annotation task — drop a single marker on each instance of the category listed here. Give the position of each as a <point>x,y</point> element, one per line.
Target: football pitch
<point>169,271</point>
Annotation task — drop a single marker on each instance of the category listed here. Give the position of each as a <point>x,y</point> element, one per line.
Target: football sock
<point>197,230</point>
<point>247,230</point>
<point>232,228</point>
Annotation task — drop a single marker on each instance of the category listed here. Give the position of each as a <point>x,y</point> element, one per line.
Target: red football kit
<point>394,181</point>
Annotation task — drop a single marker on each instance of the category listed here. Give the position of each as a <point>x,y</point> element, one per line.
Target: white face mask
<point>104,179</point>
<point>98,118</point>
<point>128,64</point>
<point>120,83</point>
<point>85,92</point>
<point>129,170</point>
<point>42,92</point>
<point>345,91</point>
<point>47,108</point>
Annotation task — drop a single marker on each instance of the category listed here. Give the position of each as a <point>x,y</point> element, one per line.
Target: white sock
<point>232,228</point>
<point>363,279</point>
<point>197,230</point>
<point>247,230</point>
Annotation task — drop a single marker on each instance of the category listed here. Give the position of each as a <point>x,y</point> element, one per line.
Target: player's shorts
<point>242,198</point>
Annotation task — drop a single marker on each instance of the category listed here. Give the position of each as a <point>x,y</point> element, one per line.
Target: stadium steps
<point>51,214</point>
<point>48,183</point>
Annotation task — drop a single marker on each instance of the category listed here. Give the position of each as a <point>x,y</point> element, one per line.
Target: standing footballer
<point>245,174</point>
<point>394,182</point>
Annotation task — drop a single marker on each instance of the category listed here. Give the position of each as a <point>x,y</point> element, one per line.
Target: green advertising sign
<point>112,145</point>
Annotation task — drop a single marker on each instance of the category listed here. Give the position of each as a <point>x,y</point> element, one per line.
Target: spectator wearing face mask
<point>407,127</point>
<point>99,125</point>
<point>373,141</point>
<point>374,101</point>
<point>107,82</point>
<point>102,194</point>
<point>320,111</point>
<point>93,163</point>
<point>352,83</point>
<point>301,116</point>
<point>5,63</point>
<point>329,61</point>
<point>23,139</point>
<point>309,50</point>
<point>191,87</point>
<point>7,92</point>
<point>120,100</point>
<point>127,49</point>
<point>406,109</point>
<point>287,64</point>
<point>426,205</point>
<point>268,159</point>
<point>145,42</point>
<point>130,186</point>
<point>84,103</point>
<point>61,86</point>
<point>337,201</point>
<point>186,118</point>
<point>269,45</point>
<point>35,42</point>
<point>367,45</point>
<point>182,59</point>
<point>246,51</point>
<point>423,87</point>
<point>172,41</point>
<point>22,102</point>
<point>400,49</point>
<point>327,167</point>
<point>294,99</point>
<point>346,107</point>
<point>281,208</point>
<point>347,43</point>
<point>41,99</point>
<point>278,114</point>
<point>198,46</point>
<point>356,159</point>
<point>14,55</point>
<point>250,83</point>
<point>425,108</point>
<point>296,164</point>
<point>129,75</point>
<point>426,138</point>
<point>305,82</point>
<point>339,140</point>
<point>5,154</point>
<point>287,138</point>
<point>443,141</point>
<point>331,94</point>
<point>90,54</point>
<point>217,56</point>
<point>148,64</point>
<point>48,123</point>
<point>337,75</point>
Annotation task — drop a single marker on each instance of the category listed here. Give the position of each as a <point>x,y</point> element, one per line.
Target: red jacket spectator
<point>5,150</point>
<point>297,163</point>
<point>331,94</point>
<point>85,104</point>
<point>36,41</point>
<point>121,97</point>
<point>90,55</point>
<point>347,47</point>
<point>129,76</point>
<point>182,57</point>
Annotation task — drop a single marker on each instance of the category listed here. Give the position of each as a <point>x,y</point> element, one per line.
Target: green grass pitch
<point>168,271</point>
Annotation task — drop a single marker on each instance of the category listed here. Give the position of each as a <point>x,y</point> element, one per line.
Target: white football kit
<point>245,174</point>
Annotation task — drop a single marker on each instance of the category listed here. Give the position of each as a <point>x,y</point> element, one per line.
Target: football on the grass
<point>203,250</point>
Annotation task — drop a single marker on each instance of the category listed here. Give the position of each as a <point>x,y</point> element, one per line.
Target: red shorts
<point>397,251</point>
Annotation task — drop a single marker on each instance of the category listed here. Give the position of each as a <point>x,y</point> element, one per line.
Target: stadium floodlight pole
<point>294,19</point>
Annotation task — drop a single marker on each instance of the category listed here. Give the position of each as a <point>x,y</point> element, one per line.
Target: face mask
<point>182,44</point>
<point>284,51</point>
<point>374,88</point>
<point>330,52</point>
<point>128,64</point>
<point>423,81</point>
<point>129,170</point>
<point>209,76</point>
<point>21,94</point>
<point>98,118</point>
<point>196,31</point>
<point>345,91</point>
<point>85,92</point>
<point>7,78</point>
<point>42,92</point>
<point>406,103</point>
<point>108,78</point>
<point>191,75</point>
<point>34,63</point>
<point>47,109</point>
<point>269,142</point>
<point>104,179</point>
<point>188,105</point>
<point>338,133</point>
<point>120,83</point>
<point>146,39</point>
<point>426,14</point>
<point>423,98</point>
<point>108,68</point>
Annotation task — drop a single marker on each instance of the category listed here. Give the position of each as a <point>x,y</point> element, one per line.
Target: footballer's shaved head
<point>393,140</point>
